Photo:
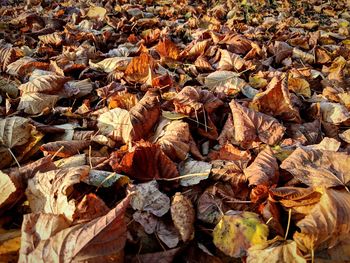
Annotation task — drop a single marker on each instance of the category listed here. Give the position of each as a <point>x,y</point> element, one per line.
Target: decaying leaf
<point>318,167</point>
<point>183,216</point>
<point>100,239</point>
<point>193,172</point>
<point>274,251</point>
<point>327,224</point>
<point>251,126</point>
<point>64,148</point>
<point>6,187</point>
<point>49,192</point>
<point>133,125</point>
<point>238,231</point>
<point>14,131</point>
<point>148,198</point>
<point>35,103</point>
<point>275,101</point>
<point>146,161</point>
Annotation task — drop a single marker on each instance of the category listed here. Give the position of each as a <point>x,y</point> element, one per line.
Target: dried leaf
<point>319,168</point>
<point>263,170</point>
<point>334,112</point>
<point>133,125</point>
<point>275,101</point>
<point>183,216</point>
<point>194,172</point>
<point>101,239</point>
<point>252,126</point>
<point>64,148</point>
<point>166,48</point>
<point>14,131</point>
<point>139,69</point>
<point>226,79</point>
<point>148,198</point>
<point>48,192</point>
<point>276,250</point>
<point>6,187</point>
<point>146,161</point>
<point>327,224</point>
<point>110,64</point>
<point>238,231</point>
<point>48,84</point>
<point>7,56</point>
<point>35,103</point>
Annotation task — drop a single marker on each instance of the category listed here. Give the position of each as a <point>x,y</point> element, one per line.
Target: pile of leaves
<point>174,130</point>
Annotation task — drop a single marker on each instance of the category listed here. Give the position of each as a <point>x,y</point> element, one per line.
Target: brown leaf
<point>319,168</point>
<point>275,251</point>
<point>264,169</point>
<point>229,171</point>
<point>146,161</point>
<point>15,131</point>
<point>140,69</point>
<point>230,152</point>
<point>69,148</point>
<point>148,198</point>
<point>89,208</point>
<point>23,66</point>
<point>167,49</point>
<point>35,103</point>
<point>49,192</point>
<point>183,216</point>
<point>160,257</point>
<point>230,61</point>
<point>7,188</point>
<point>100,240</point>
<point>327,224</point>
<point>236,43</point>
<point>251,126</point>
<point>275,101</point>
<point>48,84</point>
<point>133,125</point>
<point>7,56</point>
<point>174,139</point>
<point>202,64</point>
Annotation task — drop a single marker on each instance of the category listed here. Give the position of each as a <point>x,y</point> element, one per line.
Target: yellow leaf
<point>236,232</point>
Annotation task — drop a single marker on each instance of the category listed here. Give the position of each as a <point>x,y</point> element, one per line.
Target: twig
<point>14,157</point>
<point>60,149</point>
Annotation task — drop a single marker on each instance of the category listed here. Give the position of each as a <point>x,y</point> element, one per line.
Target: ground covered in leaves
<point>174,130</point>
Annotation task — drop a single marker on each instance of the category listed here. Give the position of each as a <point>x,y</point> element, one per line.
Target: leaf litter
<point>174,131</point>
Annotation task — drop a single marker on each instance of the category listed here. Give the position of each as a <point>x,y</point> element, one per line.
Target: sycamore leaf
<point>238,231</point>
<point>334,112</point>
<point>166,48</point>
<point>263,170</point>
<point>148,198</point>
<point>275,251</point>
<point>49,192</point>
<point>7,187</point>
<point>35,103</point>
<point>146,161</point>
<point>223,78</point>
<point>183,216</point>
<point>110,64</point>
<point>102,239</point>
<point>327,224</point>
<point>275,101</point>
<point>133,125</point>
<point>7,56</point>
<point>14,131</point>
<point>318,167</point>
<point>251,126</point>
<point>49,84</point>
<point>55,39</point>
<point>64,148</point>
<point>174,140</point>
<point>194,172</point>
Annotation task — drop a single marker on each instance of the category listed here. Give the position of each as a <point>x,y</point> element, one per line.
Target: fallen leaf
<point>250,126</point>
<point>35,103</point>
<point>64,148</point>
<point>148,198</point>
<point>275,101</point>
<point>146,161</point>
<point>193,172</point>
<point>166,48</point>
<point>227,79</point>
<point>334,112</point>
<point>323,228</point>
<point>100,239</point>
<point>274,251</point>
<point>183,216</point>
<point>318,167</point>
<point>15,131</point>
<point>49,192</point>
<point>133,125</point>
<point>238,231</point>
<point>6,187</point>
